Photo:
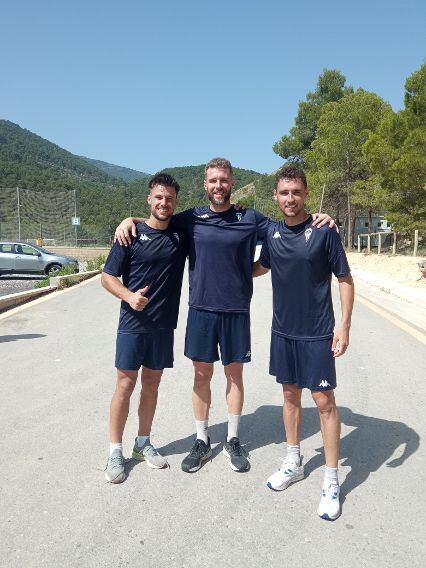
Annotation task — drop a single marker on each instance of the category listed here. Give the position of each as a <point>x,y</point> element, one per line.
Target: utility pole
<point>19,215</point>
<point>75,215</point>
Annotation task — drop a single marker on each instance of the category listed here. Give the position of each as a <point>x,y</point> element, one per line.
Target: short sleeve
<point>264,258</point>
<point>262,223</point>
<point>336,254</point>
<point>117,259</point>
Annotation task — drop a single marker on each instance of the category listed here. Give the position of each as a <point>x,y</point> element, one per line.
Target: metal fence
<point>32,216</point>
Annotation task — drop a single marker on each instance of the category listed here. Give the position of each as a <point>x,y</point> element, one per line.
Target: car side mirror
<point>37,253</point>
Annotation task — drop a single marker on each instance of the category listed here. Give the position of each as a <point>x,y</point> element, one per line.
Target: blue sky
<point>149,85</point>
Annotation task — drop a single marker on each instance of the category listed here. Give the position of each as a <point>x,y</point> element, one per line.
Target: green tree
<point>336,163</point>
<point>330,88</point>
<point>396,152</point>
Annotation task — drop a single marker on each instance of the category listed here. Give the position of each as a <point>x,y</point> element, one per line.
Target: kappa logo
<point>308,234</point>
<point>324,383</point>
<point>144,237</point>
<point>176,235</point>
<point>248,354</point>
<point>239,216</point>
<point>205,216</point>
<point>276,235</point>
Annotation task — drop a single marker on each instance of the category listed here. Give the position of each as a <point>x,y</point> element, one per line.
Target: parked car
<point>22,258</point>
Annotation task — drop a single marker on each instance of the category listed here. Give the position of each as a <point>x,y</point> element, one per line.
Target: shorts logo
<point>248,354</point>
<point>239,216</point>
<point>205,216</point>
<point>144,237</point>
<point>276,235</point>
<point>324,383</point>
<point>308,234</point>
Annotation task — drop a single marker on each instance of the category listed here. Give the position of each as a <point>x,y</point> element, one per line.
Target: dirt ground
<point>398,275</point>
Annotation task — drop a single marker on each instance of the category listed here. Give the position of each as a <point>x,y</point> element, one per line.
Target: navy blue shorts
<point>153,350</point>
<point>205,331</point>
<point>306,364</point>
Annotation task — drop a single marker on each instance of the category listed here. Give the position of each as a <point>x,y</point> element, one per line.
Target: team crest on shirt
<point>276,235</point>
<point>308,234</point>
<point>239,216</point>
<point>144,237</point>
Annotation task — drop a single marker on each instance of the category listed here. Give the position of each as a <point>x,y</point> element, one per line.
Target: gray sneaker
<point>114,471</point>
<point>149,454</point>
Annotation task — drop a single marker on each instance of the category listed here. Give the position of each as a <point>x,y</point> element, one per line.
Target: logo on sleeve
<point>239,216</point>
<point>144,237</point>
<point>308,234</point>
<point>276,235</point>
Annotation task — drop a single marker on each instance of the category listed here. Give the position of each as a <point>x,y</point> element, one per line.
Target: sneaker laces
<point>288,465</point>
<point>196,448</point>
<point>115,461</point>
<point>236,448</point>
<point>331,491</point>
<point>149,449</point>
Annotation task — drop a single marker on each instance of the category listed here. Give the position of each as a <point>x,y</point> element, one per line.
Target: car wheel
<point>53,269</point>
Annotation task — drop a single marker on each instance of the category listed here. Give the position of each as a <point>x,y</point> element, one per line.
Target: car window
<point>5,248</point>
<point>25,249</point>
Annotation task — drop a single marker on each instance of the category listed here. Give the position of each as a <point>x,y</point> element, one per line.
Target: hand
<point>239,207</point>
<point>124,232</point>
<point>340,341</point>
<point>321,219</point>
<point>137,300</point>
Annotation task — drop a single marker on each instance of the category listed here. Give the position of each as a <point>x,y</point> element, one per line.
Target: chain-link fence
<point>31,216</point>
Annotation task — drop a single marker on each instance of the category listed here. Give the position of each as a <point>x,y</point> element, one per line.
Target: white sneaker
<point>288,473</point>
<point>329,507</point>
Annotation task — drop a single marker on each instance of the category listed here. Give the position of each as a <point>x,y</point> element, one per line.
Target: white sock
<point>140,440</point>
<point>330,476</point>
<point>115,446</point>
<point>233,424</point>
<point>202,427</point>
<point>293,452</point>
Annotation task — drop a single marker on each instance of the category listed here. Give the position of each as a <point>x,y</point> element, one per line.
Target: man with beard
<point>221,251</point>
<point>152,270</point>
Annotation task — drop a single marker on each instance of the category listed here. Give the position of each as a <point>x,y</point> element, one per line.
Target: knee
<point>203,373</point>
<point>325,402</point>
<point>151,383</point>
<point>292,397</point>
<point>124,389</point>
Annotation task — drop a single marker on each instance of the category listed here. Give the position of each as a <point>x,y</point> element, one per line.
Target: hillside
<point>126,174</point>
<point>29,161</point>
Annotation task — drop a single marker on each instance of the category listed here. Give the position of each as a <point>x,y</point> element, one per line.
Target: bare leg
<point>234,387</point>
<point>119,408</point>
<point>292,413</point>
<point>148,399</point>
<point>201,393</point>
<point>330,425</point>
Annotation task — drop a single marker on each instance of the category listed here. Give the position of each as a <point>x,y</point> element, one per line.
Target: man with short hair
<point>303,343</point>
<point>221,251</point>
<point>151,269</point>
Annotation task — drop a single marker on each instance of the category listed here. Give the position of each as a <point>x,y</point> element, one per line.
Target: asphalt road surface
<point>57,378</point>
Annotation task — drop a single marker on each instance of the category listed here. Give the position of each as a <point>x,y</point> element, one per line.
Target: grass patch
<point>65,271</point>
<point>96,263</point>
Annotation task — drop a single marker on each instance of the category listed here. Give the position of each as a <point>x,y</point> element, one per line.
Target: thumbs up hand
<point>137,300</point>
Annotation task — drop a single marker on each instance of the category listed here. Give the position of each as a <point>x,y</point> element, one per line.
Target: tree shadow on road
<point>365,449</point>
<point>6,338</point>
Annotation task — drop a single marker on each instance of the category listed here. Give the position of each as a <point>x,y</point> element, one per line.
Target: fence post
<point>416,241</point>
<point>19,215</point>
<point>368,244</point>
<point>359,243</point>
<point>394,244</point>
<point>379,243</point>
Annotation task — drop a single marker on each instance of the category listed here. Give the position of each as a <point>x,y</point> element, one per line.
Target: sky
<point>150,85</point>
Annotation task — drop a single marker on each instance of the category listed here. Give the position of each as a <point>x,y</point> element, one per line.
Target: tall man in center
<point>221,251</point>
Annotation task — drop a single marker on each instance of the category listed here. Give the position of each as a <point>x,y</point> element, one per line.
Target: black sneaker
<point>199,453</point>
<point>236,454</point>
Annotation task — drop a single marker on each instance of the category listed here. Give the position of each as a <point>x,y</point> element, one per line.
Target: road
<point>57,358</point>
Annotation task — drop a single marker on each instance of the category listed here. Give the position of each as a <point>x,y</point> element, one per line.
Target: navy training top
<point>221,252</point>
<point>301,259</point>
<point>156,258</point>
